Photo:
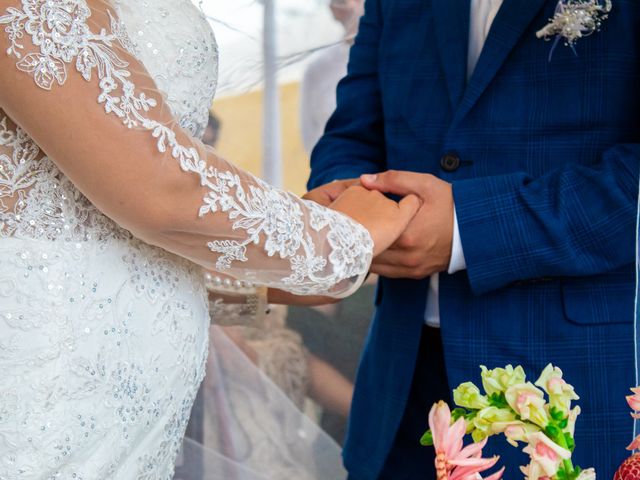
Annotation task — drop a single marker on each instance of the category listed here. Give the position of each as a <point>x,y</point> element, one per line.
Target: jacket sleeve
<point>575,221</point>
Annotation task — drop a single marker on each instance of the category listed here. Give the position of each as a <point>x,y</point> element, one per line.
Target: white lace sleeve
<point>93,108</point>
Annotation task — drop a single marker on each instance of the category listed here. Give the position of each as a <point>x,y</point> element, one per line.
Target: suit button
<point>450,162</point>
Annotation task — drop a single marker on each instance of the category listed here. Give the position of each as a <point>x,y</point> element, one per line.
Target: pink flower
<point>635,445</point>
<point>453,460</point>
<point>634,402</point>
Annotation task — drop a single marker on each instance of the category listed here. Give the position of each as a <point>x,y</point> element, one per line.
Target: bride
<point>109,208</point>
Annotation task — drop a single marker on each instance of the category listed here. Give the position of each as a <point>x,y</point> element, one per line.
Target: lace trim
<point>60,30</point>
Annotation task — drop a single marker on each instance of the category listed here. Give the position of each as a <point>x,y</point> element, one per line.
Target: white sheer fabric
<point>253,429</point>
<point>103,338</point>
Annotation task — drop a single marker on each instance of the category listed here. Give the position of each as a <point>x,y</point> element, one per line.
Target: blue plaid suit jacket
<point>545,193</point>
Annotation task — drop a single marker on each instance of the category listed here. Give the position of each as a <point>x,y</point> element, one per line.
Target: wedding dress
<point>103,336</point>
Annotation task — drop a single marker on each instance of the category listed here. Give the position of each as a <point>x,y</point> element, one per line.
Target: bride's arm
<point>280,297</point>
<point>70,79</point>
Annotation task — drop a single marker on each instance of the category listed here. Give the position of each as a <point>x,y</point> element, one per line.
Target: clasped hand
<point>412,237</point>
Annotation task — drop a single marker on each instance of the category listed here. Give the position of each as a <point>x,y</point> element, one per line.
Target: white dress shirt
<point>483,12</point>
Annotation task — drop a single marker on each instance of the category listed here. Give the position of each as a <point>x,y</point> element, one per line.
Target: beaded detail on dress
<point>37,201</point>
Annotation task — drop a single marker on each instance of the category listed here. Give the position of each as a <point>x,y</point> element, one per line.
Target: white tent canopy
<point>301,25</point>
<point>257,38</point>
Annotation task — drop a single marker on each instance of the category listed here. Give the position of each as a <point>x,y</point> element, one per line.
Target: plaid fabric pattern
<point>546,197</point>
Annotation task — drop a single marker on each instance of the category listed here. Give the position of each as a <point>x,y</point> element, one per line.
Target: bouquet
<point>537,415</point>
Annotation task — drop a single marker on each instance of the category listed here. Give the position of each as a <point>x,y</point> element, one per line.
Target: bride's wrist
<point>249,299</point>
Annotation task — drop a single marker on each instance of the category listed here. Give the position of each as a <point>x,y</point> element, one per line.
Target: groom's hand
<point>425,246</point>
<point>326,194</point>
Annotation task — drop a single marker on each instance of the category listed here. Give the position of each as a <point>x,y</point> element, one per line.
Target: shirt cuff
<point>457,262</point>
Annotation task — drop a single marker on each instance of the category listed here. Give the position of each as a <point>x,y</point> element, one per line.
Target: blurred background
<point>303,31</point>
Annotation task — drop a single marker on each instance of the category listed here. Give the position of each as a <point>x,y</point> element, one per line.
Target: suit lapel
<point>451,18</point>
<point>510,23</point>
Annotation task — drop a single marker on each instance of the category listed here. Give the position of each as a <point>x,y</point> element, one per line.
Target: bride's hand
<point>385,219</point>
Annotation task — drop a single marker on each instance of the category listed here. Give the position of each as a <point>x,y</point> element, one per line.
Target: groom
<point>523,252</point>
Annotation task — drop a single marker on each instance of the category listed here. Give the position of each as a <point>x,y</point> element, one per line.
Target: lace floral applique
<point>61,32</point>
<point>16,173</point>
<point>38,201</point>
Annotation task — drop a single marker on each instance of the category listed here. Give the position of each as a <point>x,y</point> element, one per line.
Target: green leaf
<point>498,400</point>
<point>564,475</point>
<point>471,415</point>
<point>571,444</point>
<point>553,432</point>
<point>458,413</point>
<point>557,414</point>
<point>427,439</point>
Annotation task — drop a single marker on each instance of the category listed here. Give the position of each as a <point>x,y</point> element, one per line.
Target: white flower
<point>515,431</point>
<point>588,474</point>
<point>571,420</point>
<point>467,395</point>
<point>560,392</point>
<point>546,456</point>
<point>499,380</point>
<point>528,402</point>
<point>575,19</point>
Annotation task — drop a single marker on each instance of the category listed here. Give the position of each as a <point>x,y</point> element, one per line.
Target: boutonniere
<point>573,20</point>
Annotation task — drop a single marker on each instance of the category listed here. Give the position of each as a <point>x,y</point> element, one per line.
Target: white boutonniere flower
<point>573,20</point>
